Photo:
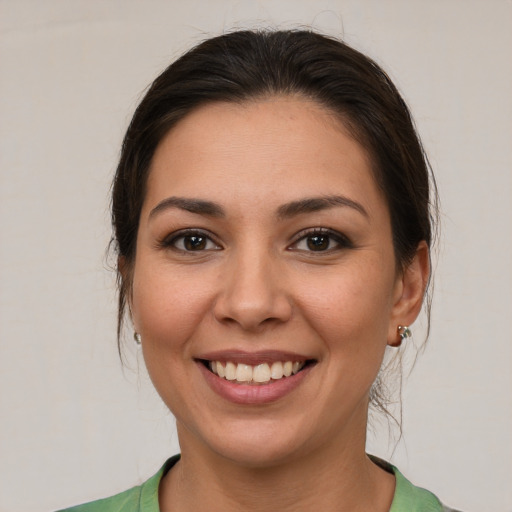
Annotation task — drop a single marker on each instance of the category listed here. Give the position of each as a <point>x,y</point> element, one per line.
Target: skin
<point>257,285</point>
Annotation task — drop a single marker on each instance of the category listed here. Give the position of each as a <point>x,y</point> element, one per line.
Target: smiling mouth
<point>264,373</point>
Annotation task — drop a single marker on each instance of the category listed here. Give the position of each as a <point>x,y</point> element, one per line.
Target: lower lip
<point>256,394</point>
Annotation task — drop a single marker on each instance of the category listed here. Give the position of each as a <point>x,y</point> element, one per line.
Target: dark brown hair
<point>245,65</point>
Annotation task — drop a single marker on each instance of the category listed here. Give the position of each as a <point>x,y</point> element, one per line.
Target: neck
<point>332,478</point>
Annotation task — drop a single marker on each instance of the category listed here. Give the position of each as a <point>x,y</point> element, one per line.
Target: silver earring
<point>138,339</point>
<point>404,332</point>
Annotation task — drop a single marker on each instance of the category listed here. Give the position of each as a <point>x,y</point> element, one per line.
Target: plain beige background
<point>74,424</point>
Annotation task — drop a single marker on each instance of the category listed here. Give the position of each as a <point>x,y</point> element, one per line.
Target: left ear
<point>409,291</point>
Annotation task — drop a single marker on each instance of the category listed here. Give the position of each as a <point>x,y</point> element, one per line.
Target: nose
<point>253,293</point>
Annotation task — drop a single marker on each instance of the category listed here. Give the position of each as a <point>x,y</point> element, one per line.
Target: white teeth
<point>230,371</point>
<point>261,373</point>
<point>276,371</point>
<point>287,368</point>
<point>221,372</point>
<point>243,373</point>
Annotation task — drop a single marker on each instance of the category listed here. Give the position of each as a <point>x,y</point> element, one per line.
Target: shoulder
<point>408,497</point>
<point>141,497</point>
<point>127,501</point>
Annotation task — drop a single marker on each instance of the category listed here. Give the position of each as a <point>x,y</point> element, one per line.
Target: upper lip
<point>252,358</point>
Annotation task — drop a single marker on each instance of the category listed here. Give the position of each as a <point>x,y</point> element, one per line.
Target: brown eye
<point>194,243</point>
<point>318,242</point>
<point>321,240</point>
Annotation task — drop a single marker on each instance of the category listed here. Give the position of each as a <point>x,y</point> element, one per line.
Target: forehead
<point>276,147</point>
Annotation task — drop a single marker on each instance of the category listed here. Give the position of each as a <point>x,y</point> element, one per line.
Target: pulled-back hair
<point>249,65</point>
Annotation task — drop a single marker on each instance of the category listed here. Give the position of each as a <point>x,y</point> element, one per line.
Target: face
<point>265,286</point>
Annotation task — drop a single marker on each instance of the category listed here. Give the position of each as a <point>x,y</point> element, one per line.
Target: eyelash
<point>342,241</point>
<point>339,239</point>
<point>170,242</point>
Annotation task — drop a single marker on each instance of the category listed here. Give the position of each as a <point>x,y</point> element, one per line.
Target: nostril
<point>252,294</point>
<point>254,314</point>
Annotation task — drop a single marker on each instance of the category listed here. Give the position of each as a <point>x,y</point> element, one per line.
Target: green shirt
<point>144,497</point>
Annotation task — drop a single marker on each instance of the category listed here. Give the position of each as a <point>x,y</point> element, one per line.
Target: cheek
<point>166,307</point>
<point>350,310</point>
<point>167,311</point>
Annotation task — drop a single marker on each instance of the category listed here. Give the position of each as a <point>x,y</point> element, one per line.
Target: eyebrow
<point>198,206</point>
<point>315,204</point>
<point>291,209</point>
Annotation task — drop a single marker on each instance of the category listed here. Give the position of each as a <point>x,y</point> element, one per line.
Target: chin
<point>257,456</point>
<point>258,444</point>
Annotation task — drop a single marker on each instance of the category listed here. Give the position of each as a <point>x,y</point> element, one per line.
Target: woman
<point>272,218</point>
